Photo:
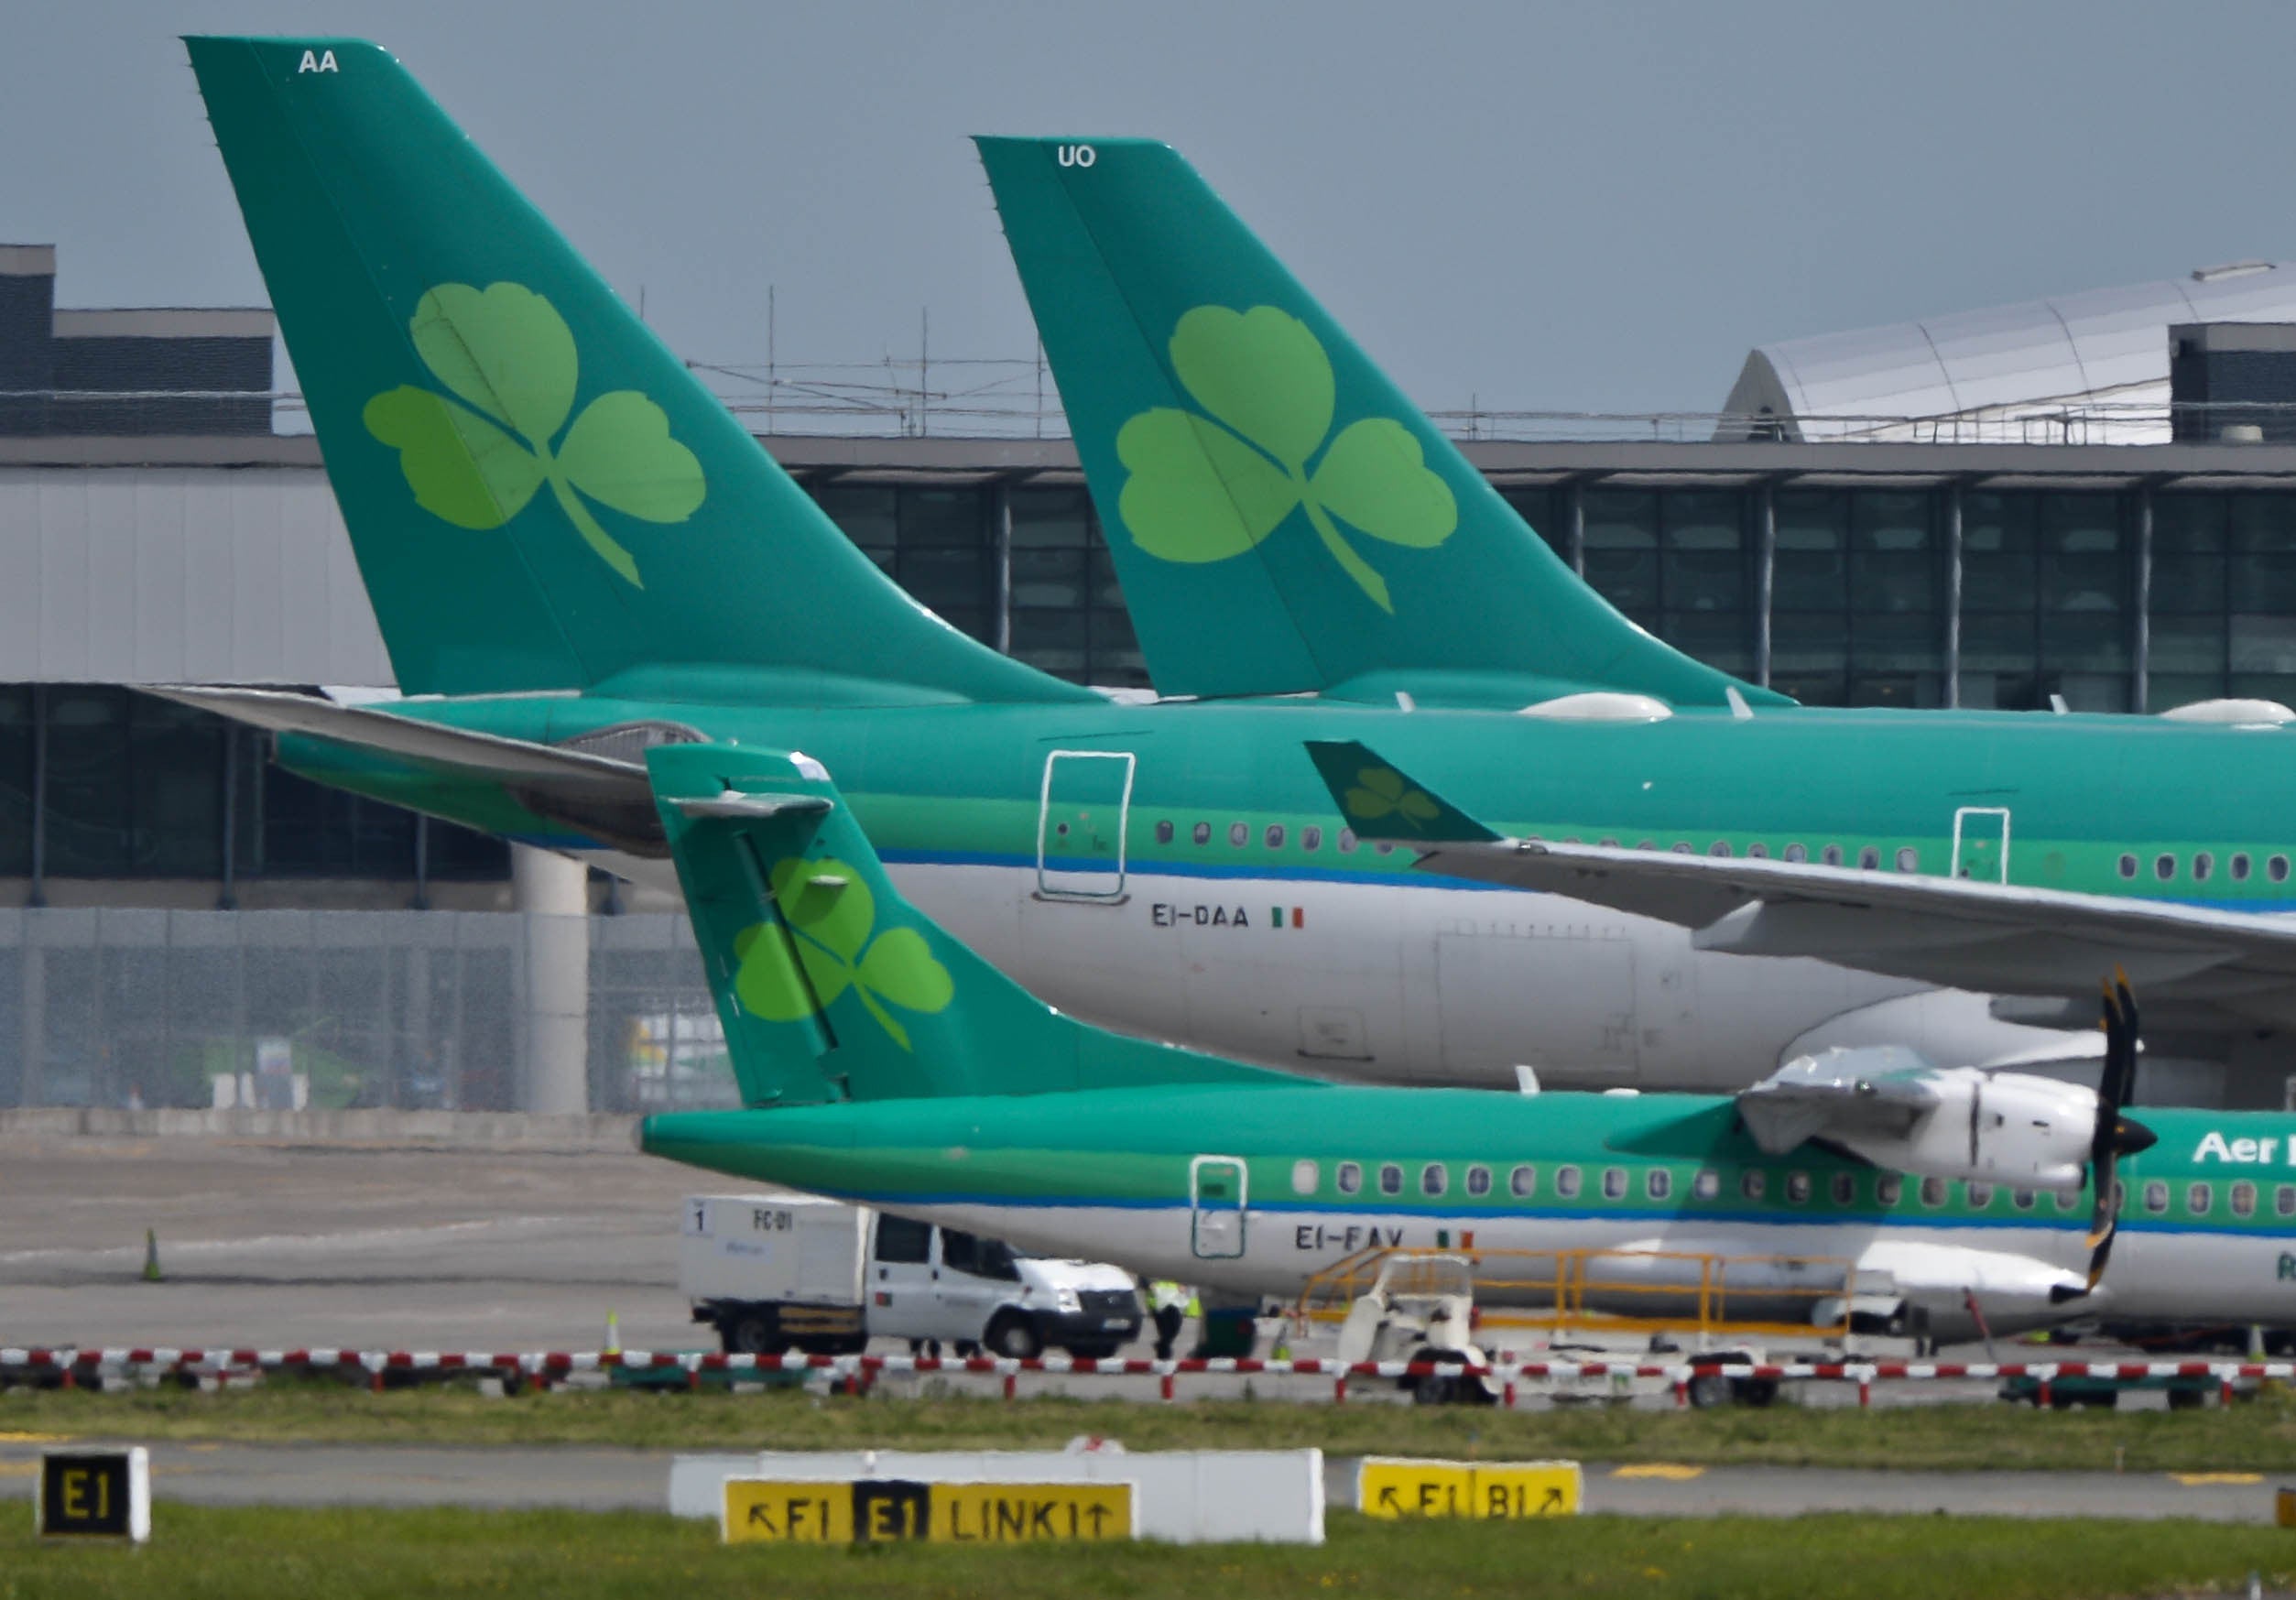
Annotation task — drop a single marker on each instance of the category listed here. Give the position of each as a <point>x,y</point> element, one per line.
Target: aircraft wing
<point>1999,939</point>
<point>516,763</point>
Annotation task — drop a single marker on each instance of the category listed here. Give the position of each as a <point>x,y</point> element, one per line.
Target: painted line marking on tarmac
<point>1672,1472</point>
<point>34,1438</point>
<point>2195,1480</point>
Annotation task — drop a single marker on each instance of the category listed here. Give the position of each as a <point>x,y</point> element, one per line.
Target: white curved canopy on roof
<point>2104,351</point>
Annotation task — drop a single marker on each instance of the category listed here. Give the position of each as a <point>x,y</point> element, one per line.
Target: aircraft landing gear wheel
<point>1015,1337</point>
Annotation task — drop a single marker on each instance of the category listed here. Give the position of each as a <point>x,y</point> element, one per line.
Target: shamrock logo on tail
<point>508,357</point>
<point>832,914</point>
<point>1381,791</point>
<point>1206,486</point>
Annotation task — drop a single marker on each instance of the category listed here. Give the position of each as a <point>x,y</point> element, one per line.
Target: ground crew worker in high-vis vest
<point>1167,1303</point>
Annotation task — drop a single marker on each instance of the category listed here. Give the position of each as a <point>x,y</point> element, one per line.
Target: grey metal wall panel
<point>174,574</point>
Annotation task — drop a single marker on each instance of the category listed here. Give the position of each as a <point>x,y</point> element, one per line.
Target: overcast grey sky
<point>1562,207</point>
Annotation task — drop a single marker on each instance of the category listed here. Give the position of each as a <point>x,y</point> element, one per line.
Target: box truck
<point>775,1272</point>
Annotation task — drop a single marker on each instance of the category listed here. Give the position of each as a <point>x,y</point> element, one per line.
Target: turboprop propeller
<point>2117,1134</point>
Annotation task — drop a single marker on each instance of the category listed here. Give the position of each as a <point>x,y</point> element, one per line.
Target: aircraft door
<point>1215,1197</point>
<point>1080,818</point>
<point>1981,843</point>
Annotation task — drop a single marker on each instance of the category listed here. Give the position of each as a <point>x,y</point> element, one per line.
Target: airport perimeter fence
<point>380,1369</point>
<point>400,1010</point>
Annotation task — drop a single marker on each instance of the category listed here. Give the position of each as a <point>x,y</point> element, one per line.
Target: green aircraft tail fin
<point>831,985</point>
<point>1282,519</point>
<point>540,494</point>
<point>1382,804</point>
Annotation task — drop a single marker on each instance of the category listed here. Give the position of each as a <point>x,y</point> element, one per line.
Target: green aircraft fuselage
<point>2092,803</point>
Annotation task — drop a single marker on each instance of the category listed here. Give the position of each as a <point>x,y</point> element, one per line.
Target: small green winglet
<point>1380,803</point>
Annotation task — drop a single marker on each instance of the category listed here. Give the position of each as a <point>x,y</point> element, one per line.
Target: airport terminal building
<point>183,923</point>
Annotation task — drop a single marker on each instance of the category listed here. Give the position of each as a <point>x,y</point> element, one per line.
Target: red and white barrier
<point>71,1363</point>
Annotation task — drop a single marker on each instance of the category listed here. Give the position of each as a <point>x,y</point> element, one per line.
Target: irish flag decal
<point>1283,917</point>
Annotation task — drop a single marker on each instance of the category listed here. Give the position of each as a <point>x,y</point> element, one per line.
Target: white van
<point>773,1272</point>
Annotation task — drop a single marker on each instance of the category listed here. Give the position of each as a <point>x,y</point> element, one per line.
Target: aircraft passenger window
<point>1752,1182</point>
<point>1274,835</point>
<point>1351,1178</point>
<point>2022,1199</point>
<point>1797,853</point>
<point>1797,1187</point>
<point>1707,1185</point>
<point>1868,858</point>
<point>1932,1191</point>
<point>2241,867</point>
<point>1163,833</point>
<point>2243,1199</point>
<point>1310,838</point>
<point>2277,869</point>
<point>1201,834</point>
<point>1384,847</point>
<point>2202,864</point>
<point>2284,1200</point>
<point>1888,1188</point>
<point>2164,867</point>
<point>1390,1179</point>
<point>1757,851</point>
<point>1478,1181</point>
<point>1523,1183</point>
<point>1432,1178</point>
<point>2156,1197</point>
<point>1658,1184</point>
<point>1719,847</point>
<point>1683,847</point>
<point>2129,867</point>
<point>1614,1184</point>
<point>1980,1194</point>
<point>2200,1198</point>
<point>1607,843</point>
<point>1844,1188</point>
<point>1566,1182</point>
<point>1908,858</point>
<point>1646,845</point>
<point>900,1239</point>
<point>2120,1198</point>
<point>2068,1200</point>
<point>1831,855</point>
<point>1348,841</point>
<point>1305,1177</point>
<point>1238,833</point>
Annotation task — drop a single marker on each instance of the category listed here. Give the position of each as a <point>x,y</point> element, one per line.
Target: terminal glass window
<point>1622,550</point>
<point>2190,602</point>
<point>15,779</point>
<point>1896,586</point>
<point>1809,596</point>
<point>2000,593</point>
<point>933,542</point>
<point>1068,614</point>
<point>2086,578</point>
<point>135,786</point>
<point>2262,599</point>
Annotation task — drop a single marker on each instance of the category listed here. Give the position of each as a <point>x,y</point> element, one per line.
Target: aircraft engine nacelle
<point>2002,1127</point>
